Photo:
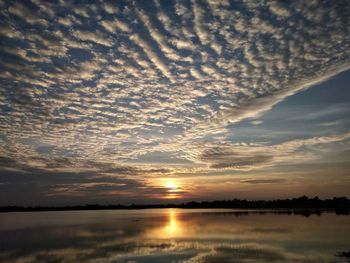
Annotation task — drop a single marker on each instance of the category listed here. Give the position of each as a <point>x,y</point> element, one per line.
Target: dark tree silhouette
<point>302,205</point>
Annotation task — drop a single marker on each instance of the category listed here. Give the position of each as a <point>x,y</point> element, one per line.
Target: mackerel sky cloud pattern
<point>101,88</point>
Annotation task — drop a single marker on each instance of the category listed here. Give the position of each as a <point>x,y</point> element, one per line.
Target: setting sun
<point>171,185</point>
<point>172,188</point>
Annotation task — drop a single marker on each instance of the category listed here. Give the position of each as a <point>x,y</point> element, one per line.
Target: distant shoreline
<point>302,204</point>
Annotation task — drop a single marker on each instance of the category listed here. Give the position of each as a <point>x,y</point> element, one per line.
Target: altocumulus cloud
<point>88,87</point>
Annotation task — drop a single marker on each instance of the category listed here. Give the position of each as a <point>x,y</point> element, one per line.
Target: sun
<point>171,186</point>
<point>172,189</point>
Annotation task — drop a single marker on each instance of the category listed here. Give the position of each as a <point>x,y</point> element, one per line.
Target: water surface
<point>172,235</point>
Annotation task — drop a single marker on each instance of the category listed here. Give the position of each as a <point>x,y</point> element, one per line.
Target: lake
<point>173,235</point>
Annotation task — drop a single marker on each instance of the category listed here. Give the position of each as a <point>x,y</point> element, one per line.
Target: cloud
<point>160,39</point>
<point>256,106</point>
<point>245,157</point>
<point>113,25</point>
<point>27,14</point>
<point>96,37</point>
<point>226,158</point>
<point>279,10</point>
<point>157,61</point>
<point>112,83</point>
<point>204,36</point>
<point>45,188</point>
<point>110,8</point>
<point>239,254</point>
<point>263,181</point>
<point>44,181</point>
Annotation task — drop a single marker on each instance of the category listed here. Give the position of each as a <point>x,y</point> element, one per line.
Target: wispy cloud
<point>254,156</point>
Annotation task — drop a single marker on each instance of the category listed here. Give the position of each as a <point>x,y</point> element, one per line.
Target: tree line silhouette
<point>340,205</point>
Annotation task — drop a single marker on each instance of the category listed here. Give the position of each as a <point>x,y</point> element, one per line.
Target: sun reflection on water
<point>172,227</point>
<point>173,224</point>
<point>173,235</point>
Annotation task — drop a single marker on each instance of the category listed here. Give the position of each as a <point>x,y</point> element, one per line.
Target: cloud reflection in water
<point>171,235</point>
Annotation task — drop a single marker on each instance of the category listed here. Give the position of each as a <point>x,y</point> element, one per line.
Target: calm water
<point>172,235</point>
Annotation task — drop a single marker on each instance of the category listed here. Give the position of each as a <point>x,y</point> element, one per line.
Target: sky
<point>171,101</point>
